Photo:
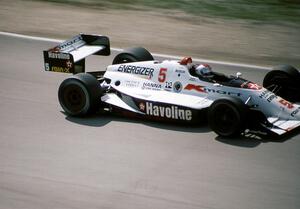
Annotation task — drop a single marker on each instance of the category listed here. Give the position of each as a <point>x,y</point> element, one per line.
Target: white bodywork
<point>171,83</point>
<point>78,48</point>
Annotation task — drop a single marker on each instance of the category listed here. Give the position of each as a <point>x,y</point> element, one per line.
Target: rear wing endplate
<point>69,56</point>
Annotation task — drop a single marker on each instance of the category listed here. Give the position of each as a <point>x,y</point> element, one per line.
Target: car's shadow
<point>251,140</point>
<point>248,140</point>
<point>99,120</point>
<point>92,120</point>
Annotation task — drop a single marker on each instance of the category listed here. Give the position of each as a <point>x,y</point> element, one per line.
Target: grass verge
<point>257,10</point>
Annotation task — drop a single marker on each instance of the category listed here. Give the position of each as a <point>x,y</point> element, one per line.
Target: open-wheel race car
<point>173,90</point>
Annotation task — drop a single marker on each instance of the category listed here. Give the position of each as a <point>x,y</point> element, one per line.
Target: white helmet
<point>204,70</point>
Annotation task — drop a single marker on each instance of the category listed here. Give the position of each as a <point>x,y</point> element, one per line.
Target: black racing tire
<point>284,81</point>
<point>80,94</point>
<point>227,117</point>
<point>135,54</point>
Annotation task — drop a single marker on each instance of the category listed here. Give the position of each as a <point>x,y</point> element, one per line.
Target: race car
<point>138,85</point>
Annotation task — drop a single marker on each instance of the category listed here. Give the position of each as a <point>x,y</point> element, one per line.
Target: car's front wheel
<point>80,94</point>
<point>226,117</point>
<point>284,81</point>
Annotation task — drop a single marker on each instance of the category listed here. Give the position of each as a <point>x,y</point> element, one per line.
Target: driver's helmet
<point>204,70</point>
<point>186,61</point>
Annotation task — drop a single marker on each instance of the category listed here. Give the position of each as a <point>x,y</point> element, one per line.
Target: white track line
<point>155,54</point>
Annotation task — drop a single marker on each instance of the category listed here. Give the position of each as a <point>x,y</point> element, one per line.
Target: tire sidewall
<point>120,59</point>
<point>90,89</point>
<point>287,71</point>
<point>281,79</point>
<point>62,97</point>
<point>134,54</point>
<point>228,105</point>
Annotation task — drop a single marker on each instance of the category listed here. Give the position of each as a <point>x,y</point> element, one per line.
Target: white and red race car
<point>136,84</point>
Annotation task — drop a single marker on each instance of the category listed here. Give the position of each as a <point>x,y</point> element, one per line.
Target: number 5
<point>162,75</point>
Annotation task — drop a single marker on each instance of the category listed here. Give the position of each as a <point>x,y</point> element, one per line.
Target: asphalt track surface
<point>49,160</point>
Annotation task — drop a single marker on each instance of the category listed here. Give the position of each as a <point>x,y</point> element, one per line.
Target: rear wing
<point>69,56</point>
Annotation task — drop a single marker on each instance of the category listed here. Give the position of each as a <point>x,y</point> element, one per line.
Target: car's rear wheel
<point>79,95</point>
<point>284,81</point>
<point>226,117</point>
<point>135,54</point>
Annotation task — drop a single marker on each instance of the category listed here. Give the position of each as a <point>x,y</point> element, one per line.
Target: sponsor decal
<point>138,70</point>
<point>195,87</point>
<point>60,69</point>
<point>142,106</point>
<point>177,87</point>
<point>76,41</point>
<point>254,86</point>
<point>208,90</point>
<point>264,94</point>
<point>295,112</point>
<point>131,84</point>
<point>179,71</point>
<point>250,85</point>
<point>61,56</point>
<point>286,103</point>
<point>204,89</point>
<point>171,111</point>
<point>271,97</point>
<point>151,86</point>
<point>268,95</point>
<point>69,64</point>
<point>192,79</point>
<point>168,85</point>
